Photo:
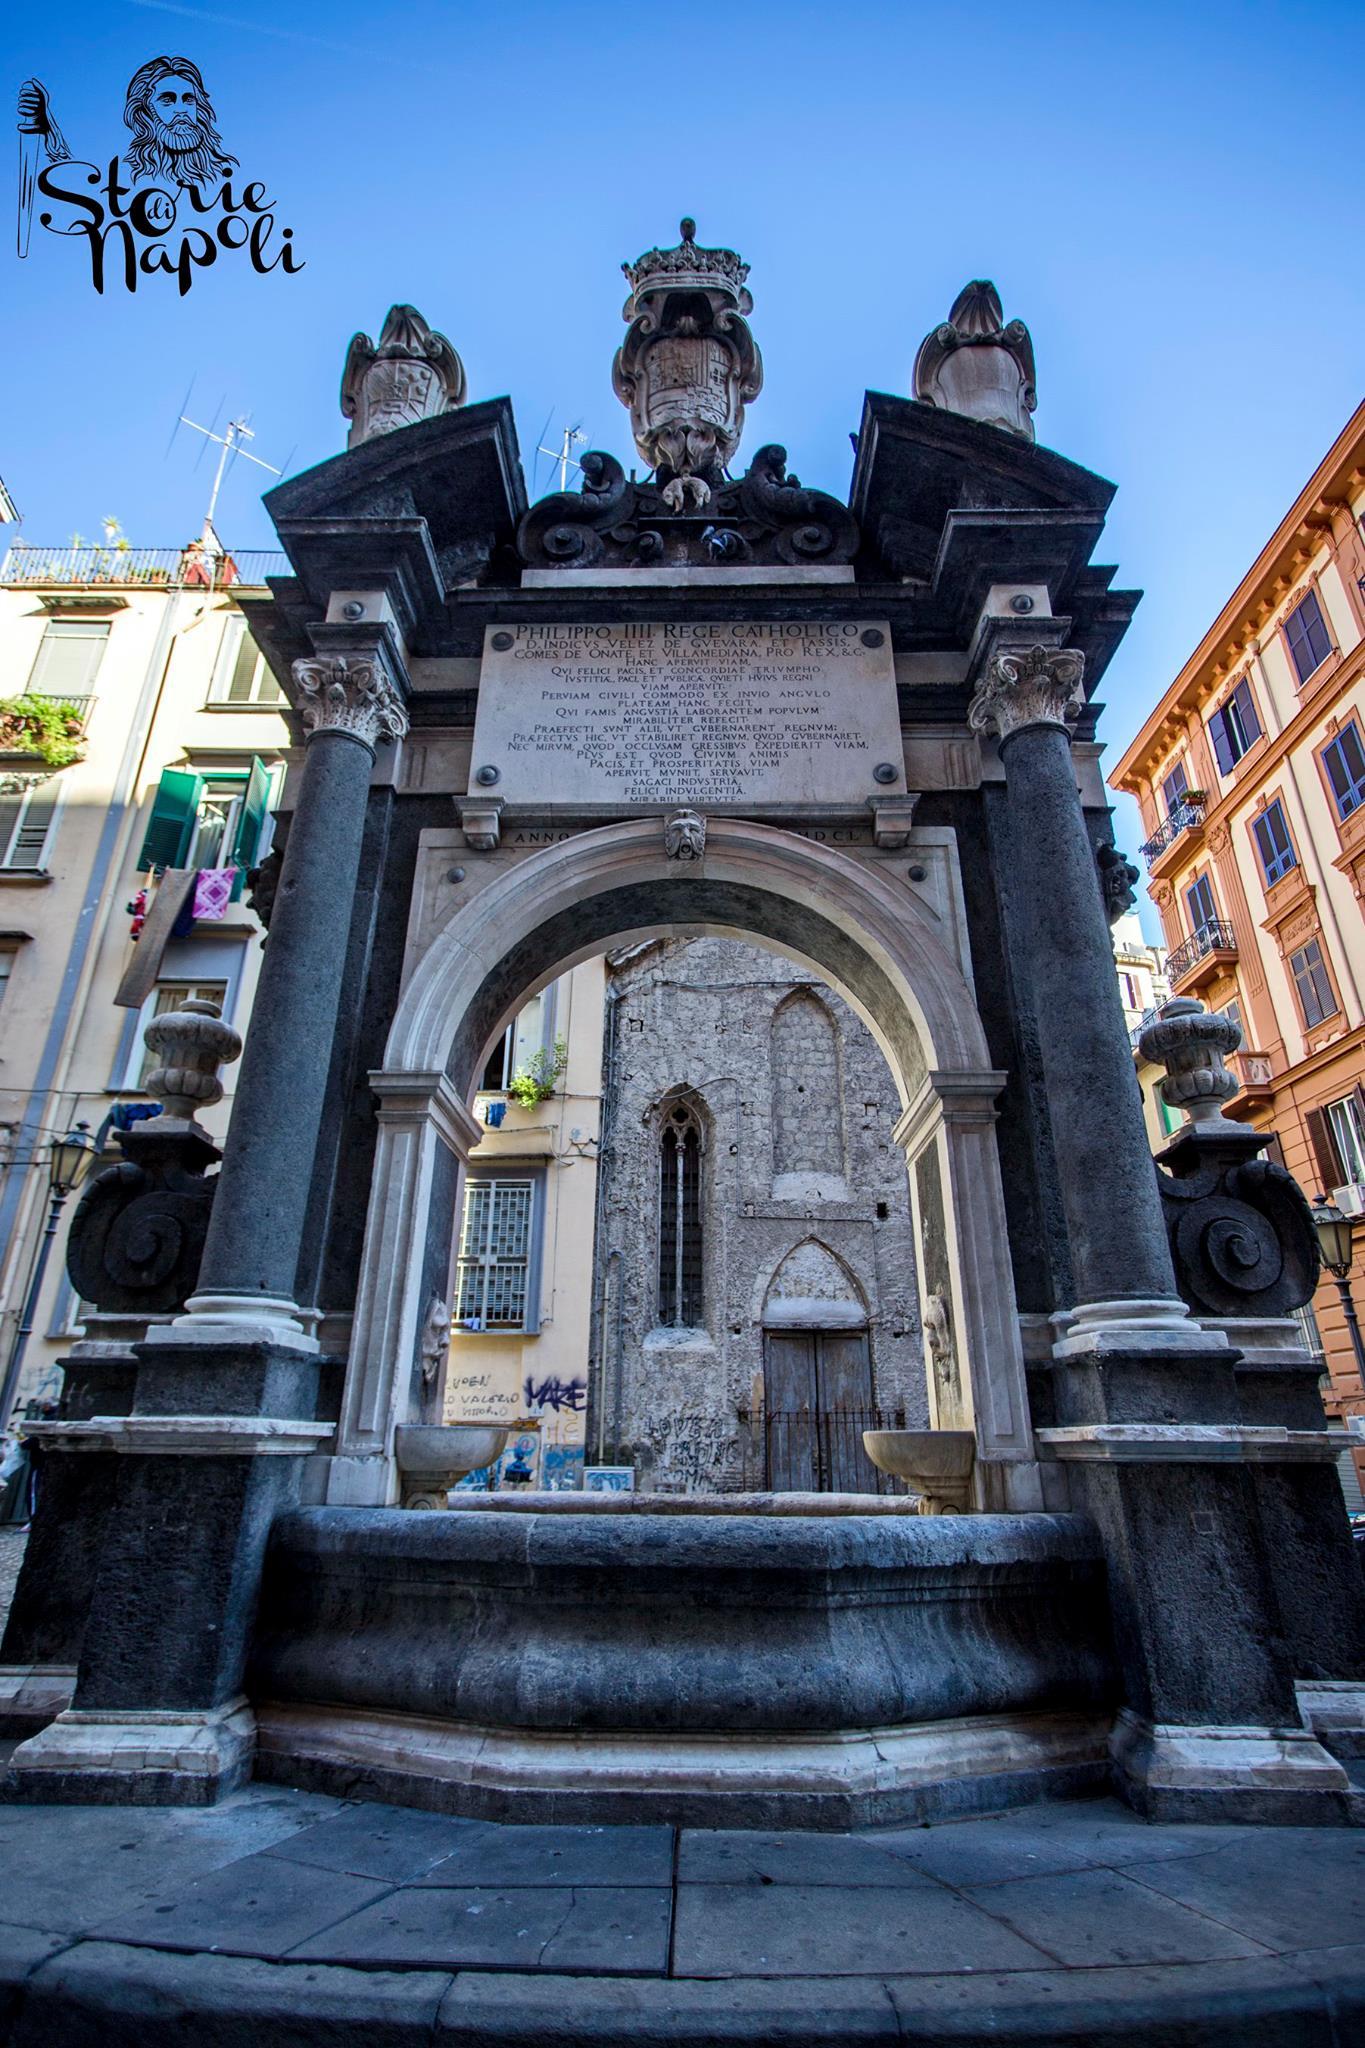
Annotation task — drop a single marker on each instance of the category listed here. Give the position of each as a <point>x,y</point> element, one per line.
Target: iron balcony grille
<point>80,567</point>
<point>1188,812</point>
<point>1217,936</point>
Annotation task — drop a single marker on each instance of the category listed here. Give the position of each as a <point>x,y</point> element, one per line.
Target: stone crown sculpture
<point>688,365</point>
<point>414,374</point>
<point>977,365</point>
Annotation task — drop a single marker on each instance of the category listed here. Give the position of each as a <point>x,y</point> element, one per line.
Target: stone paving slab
<point>621,1931</point>
<point>281,1920</point>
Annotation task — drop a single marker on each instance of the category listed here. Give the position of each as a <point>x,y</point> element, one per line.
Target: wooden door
<point>817,1403</point>
<point>790,1411</point>
<point>843,1381</point>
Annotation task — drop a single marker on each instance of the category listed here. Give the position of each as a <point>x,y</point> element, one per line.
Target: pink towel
<point>213,891</point>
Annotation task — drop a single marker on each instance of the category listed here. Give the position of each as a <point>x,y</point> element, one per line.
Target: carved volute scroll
<point>348,693</point>
<point>1026,686</point>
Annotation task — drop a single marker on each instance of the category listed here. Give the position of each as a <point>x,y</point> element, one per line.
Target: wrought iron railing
<point>156,567</point>
<point>800,1450</point>
<point>1217,936</point>
<point>1188,812</point>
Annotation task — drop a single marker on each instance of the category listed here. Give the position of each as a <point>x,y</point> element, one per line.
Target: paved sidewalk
<point>281,1918</point>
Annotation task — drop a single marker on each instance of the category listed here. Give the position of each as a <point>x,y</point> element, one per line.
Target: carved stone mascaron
<point>1026,686</point>
<point>348,693</point>
<point>414,374</point>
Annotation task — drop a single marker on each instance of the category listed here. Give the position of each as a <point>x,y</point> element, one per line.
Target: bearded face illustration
<point>172,121</point>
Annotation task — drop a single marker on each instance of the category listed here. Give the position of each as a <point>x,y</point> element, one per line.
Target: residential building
<point>521,1300</point>
<point>133,664</point>
<point>1144,988</point>
<point>1250,776</point>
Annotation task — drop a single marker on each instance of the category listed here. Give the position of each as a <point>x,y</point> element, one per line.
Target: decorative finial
<point>976,365</point>
<point>190,1043</point>
<point>688,365</point>
<point>1190,1043</point>
<point>414,374</point>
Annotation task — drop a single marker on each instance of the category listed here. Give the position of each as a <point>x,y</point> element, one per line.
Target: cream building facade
<point>144,658</point>
<point>1144,988</point>
<point>1250,776</point>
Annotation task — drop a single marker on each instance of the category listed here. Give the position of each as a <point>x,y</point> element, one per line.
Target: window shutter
<point>1330,1174</point>
<point>1251,724</point>
<point>174,809</point>
<point>255,805</point>
<point>1222,745</point>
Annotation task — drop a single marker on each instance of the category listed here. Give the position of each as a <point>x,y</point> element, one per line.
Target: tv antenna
<point>570,436</point>
<point>230,442</point>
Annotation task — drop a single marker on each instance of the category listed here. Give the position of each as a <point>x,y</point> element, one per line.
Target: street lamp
<point>68,1163</point>
<point>1335,1244</point>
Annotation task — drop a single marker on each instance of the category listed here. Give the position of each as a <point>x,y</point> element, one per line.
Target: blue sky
<point>1166,195</point>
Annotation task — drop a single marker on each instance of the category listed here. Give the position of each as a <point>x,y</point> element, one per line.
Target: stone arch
<point>850,921</point>
<point>812,1288</point>
<point>806,1077</point>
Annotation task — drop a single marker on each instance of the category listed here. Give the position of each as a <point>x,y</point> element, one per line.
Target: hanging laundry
<point>213,891</point>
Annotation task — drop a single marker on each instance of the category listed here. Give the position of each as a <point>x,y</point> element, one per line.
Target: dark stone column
<point>346,703</point>
<point>226,1404</point>
<point>1109,1191</point>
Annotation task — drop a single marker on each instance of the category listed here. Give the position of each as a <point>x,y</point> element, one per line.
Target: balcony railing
<point>1187,813</point>
<point>1136,1031</point>
<point>128,567</point>
<point>1217,936</point>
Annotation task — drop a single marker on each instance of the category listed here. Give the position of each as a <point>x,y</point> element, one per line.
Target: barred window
<point>680,1250</point>
<point>26,828</point>
<point>497,1242</point>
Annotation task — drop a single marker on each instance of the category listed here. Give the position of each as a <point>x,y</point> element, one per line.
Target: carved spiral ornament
<point>149,1240</point>
<point>137,1237</point>
<point>1242,1240</point>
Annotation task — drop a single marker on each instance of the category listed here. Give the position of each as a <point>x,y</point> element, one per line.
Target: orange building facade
<point>1250,776</point>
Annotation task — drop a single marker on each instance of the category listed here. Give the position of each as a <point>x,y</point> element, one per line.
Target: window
<point>1344,760</point>
<point>1131,999</point>
<point>209,821</point>
<point>1273,844</point>
<point>169,995</point>
<point>1305,629</point>
<point>1171,1119</point>
<point>26,828</point>
<point>7,959</point>
<point>525,1036</point>
<point>680,1295</point>
<point>1313,983</point>
<point>1235,728</point>
<point>1199,899</point>
<point>1233,1012</point>
<point>1347,1126</point>
<point>1174,787</point>
<point>69,654</point>
<point>241,674</point>
<point>495,1280</point>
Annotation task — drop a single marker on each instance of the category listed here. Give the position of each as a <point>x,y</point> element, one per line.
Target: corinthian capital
<point>1028,686</point>
<point>348,693</point>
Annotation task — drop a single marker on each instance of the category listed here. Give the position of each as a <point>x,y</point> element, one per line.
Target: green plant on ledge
<point>538,1078</point>
<point>48,727</point>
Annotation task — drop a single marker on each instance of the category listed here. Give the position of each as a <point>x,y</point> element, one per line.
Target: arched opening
<point>807,1093</point>
<point>873,942</point>
<point>680,1142</point>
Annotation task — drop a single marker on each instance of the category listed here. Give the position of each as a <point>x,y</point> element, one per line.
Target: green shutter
<point>250,823</point>
<point>174,810</point>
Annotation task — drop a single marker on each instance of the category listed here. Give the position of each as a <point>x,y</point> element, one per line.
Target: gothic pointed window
<point>680,1272</point>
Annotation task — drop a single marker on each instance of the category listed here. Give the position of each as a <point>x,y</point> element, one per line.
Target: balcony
<point>1202,957</point>
<point>115,568</point>
<point>1255,1071</point>
<point>1187,816</point>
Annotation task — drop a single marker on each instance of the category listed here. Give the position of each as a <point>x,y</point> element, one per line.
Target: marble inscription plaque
<point>728,713</point>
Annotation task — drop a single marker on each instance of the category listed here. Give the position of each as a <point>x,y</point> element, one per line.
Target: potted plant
<point>48,727</point>
<point>538,1079</point>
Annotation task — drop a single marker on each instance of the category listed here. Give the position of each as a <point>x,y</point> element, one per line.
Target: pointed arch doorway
<point>818,1389</point>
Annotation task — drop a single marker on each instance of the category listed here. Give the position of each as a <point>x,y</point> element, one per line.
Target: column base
<point>133,1757</point>
<point>1150,1325</point>
<point>31,1695</point>
<point>1258,1776</point>
<point>1334,1709</point>
<point>239,1318</point>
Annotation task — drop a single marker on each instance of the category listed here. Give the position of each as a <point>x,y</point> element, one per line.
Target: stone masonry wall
<point>797,1105</point>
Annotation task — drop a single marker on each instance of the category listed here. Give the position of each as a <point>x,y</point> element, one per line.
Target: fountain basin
<point>713,1669</point>
<point>431,1456</point>
<point>936,1464</point>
